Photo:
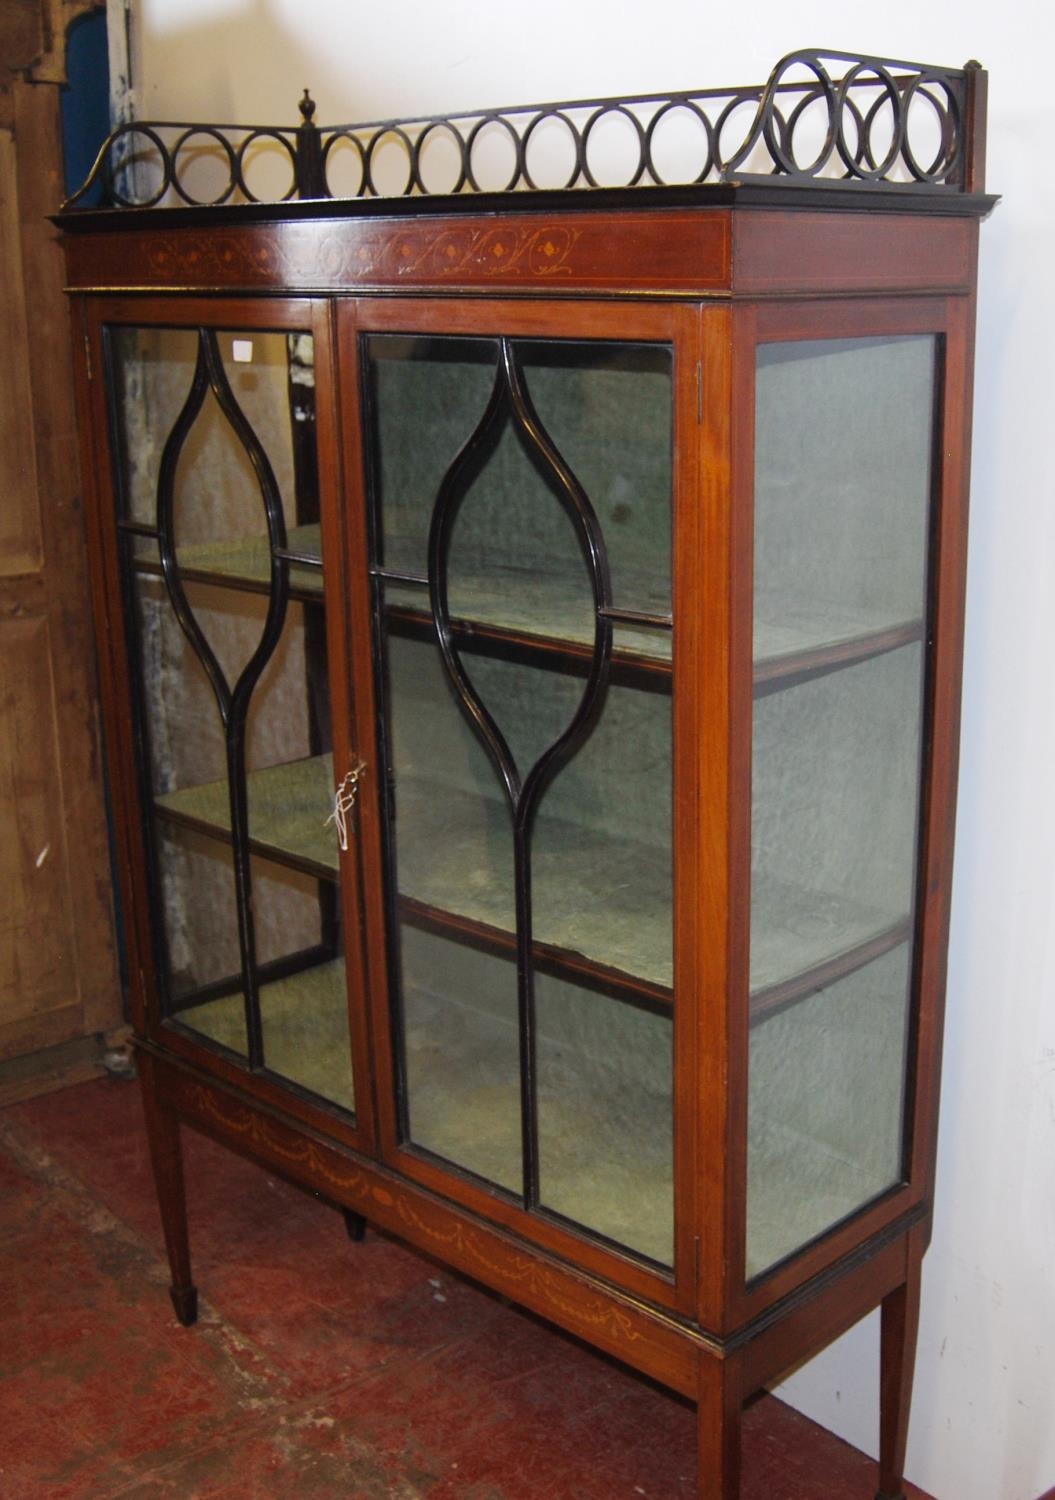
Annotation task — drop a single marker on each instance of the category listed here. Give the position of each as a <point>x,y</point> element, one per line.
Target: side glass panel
<point>521,512</point>
<point>223,574</point>
<point>844,435</point>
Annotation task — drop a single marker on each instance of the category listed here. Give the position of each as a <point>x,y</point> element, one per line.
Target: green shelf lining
<point>288,808</point>
<point>553,605</point>
<point>605,901</point>
<point>796,930</point>
<point>789,635</point>
<point>246,562</point>
<point>601,899</point>
<point>463,1103</point>
<point>305,1027</point>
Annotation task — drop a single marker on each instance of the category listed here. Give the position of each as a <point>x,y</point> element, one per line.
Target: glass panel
<point>607,409</point>
<point>445,385</point>
<point>453,828</point>
<point>462,1055</point>
<point>197,910</point>
<point>304,1012</point>
<point>843,483</point>
<point>529,759</point>
<point>835,771</point>
<point>217,474</point>
<point>605,1116</point>
<point>184,740</point>
<point>600,847</point>
<point>825,1107</point>
<point>152,373</point>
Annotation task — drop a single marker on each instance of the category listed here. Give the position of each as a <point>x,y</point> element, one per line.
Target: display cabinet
<point>530,627</point>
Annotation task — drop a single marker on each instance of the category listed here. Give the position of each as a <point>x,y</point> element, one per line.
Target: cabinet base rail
<point>718,1373</point>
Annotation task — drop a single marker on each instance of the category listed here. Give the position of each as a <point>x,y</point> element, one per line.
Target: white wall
<point>982,1425</point>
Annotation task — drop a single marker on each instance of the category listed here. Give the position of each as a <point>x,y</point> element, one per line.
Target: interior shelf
<point>793,640</point>
<point>771,998</point>
<point>306,1041</point>
<point>542,616</point>
<point>463,1106</point>
<point>798,1188</point>
<point>268,972</point>
<point>630,668</point>
<point>802,939</point>
<point>601,906</point>
<point>547,608</point>
<point>603,902</point>
<point>547,958</point>
<point>246,564</point>
<point>288,808</point>
<point>305,1026</point>
<point>621,1189</point>
<point>796,1183</point>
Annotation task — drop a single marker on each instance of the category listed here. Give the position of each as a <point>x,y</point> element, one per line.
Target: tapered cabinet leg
<point>355,1224</point>
<point>900,1326</point>
<point>166,1155</point>
<point>719,1420</point>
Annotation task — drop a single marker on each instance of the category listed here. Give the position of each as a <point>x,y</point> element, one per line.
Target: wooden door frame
<point>949,319</point>
<point>658,321</point>
<point>293,314</point>
<point>49,586</point>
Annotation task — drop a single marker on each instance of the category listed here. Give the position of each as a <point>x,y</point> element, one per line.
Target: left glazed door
<point>215,525</point>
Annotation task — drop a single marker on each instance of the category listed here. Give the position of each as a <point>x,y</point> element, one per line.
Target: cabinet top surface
<point>827,130</point>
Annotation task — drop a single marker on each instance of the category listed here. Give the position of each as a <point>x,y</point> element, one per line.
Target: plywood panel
<point>20,549</point>
<point>57,970</point>
<point>37,968</point>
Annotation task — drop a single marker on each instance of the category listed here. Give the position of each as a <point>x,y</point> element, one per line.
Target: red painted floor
<point>319,1369</point>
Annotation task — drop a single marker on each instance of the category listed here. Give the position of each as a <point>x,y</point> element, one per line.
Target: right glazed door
<point>519,486</point>
<point>844,461</point>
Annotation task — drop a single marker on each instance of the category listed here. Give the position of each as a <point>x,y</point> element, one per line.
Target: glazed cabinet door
<point>852,475</point>
<point>221,595</point>
<point>519,484</point>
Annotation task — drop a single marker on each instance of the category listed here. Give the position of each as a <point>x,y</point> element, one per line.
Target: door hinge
<point>88,355</point>
<point>699,394</point>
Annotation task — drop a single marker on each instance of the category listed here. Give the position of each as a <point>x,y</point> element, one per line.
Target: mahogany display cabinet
<point>529,618</point>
